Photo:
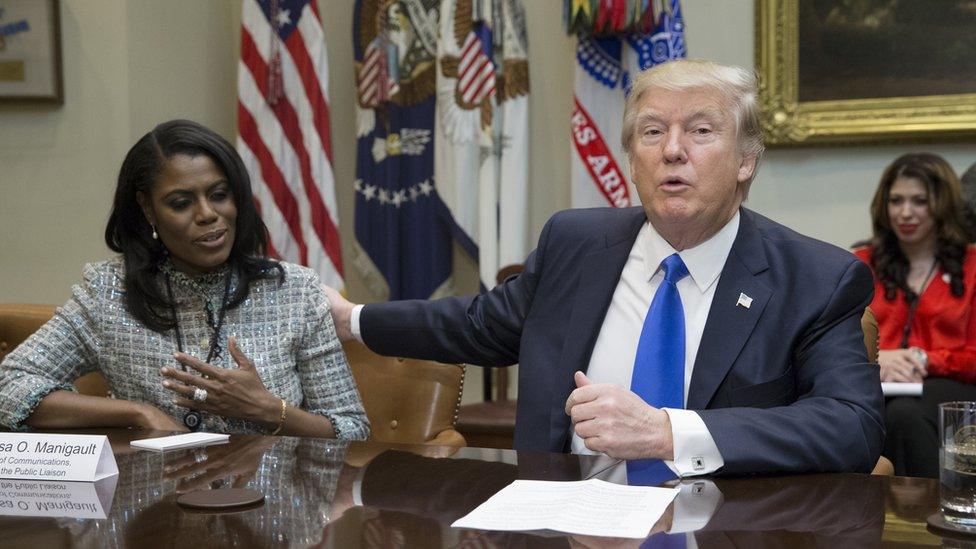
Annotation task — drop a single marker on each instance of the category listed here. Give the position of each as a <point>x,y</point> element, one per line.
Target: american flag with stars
<point>476,71</point>
<point>283,131</point>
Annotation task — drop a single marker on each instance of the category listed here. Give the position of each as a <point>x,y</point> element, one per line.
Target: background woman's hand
<point>901,365</point>
<point>230,393</point>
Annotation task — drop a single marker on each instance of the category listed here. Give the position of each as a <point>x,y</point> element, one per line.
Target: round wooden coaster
<point>224,499</point>
<point>940,526</point>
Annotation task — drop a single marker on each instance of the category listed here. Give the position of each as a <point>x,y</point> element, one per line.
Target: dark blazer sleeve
<point>484,330</point>
<point>835,423</point>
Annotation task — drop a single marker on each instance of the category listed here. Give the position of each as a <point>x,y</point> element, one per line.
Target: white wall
<point>127,66</point>
<point>57,164</point>
<point>130,65</point>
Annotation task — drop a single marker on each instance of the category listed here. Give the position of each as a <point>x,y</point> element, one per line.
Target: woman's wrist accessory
<point>281,419</point>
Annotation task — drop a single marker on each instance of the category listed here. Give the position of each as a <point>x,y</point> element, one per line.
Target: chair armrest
<point>883,467</point>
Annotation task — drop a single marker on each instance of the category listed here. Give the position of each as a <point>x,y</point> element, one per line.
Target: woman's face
<point>910,212</point>
<point>192,207</point>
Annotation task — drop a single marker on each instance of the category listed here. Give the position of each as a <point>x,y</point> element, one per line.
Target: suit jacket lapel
<point>599,273</point>
<point>729,325</point>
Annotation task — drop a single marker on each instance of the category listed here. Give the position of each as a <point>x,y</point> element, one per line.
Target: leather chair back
<point>408,400</point>
<point>869,325</point>
<point>19,320</point>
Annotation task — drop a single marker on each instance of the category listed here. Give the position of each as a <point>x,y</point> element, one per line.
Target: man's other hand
<point>341,313</point>
<point>617,422</point>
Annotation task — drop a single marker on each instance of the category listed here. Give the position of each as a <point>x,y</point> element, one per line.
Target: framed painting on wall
<point>842,71</point>
<point>30,51</point>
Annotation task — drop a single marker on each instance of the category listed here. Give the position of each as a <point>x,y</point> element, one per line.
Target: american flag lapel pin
<point>744,301</point>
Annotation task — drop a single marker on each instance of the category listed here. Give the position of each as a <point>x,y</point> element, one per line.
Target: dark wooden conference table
<point>323,493</point>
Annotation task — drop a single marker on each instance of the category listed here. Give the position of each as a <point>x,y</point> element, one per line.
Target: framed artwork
<point>841,71</point>
<point>30,51</point>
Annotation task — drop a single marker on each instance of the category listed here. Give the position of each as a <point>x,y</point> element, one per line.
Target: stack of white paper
<point>589,507</point>
<point>177,442</point>
<point>901,389</point>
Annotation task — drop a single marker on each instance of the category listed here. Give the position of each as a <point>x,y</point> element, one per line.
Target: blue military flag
<point>403,235</point>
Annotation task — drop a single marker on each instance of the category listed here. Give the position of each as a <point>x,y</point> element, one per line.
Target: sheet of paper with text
<point>590,507</point>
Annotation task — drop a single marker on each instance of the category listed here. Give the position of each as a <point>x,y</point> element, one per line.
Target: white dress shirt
<point>612,361</point>
<point>613,355</point>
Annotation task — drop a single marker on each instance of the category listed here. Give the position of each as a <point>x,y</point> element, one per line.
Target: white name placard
<point>37,456</point>
<point>48,498</point>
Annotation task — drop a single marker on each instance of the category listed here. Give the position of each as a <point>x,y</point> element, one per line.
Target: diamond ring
<point>199,394</point>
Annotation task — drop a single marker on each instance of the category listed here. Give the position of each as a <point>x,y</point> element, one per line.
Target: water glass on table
<point>957,463</point>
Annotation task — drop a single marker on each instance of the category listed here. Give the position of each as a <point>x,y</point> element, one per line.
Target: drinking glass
<point>957,462</point>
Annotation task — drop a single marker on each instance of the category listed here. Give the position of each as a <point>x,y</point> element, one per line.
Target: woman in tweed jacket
<point>192,325</point>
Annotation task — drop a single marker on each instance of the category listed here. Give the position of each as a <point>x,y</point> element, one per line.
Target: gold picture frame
<point>788,120</point>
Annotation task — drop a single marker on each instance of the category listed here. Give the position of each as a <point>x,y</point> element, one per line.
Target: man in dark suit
<point>691,329</point>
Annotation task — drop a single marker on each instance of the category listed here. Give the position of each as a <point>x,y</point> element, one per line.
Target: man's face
<point>686,162</point>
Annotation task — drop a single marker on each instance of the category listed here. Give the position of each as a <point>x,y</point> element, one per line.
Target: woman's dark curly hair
<point>945,202</point>
<point>129,233</point>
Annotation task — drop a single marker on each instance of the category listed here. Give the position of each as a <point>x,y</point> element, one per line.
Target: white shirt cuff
<point>694,505</point>
<point>354,323</point>
<point>357,487</point>
<point>695,452</point>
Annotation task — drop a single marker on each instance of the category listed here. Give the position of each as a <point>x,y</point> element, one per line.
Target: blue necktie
<point>665,541</point>
<point>659,368</point>
<point>648,472</point>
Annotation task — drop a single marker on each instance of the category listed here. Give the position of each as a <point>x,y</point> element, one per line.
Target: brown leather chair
<point>491,424</point>
<point>869,325</point>
<point>407,400</point>
<point>19,320</point>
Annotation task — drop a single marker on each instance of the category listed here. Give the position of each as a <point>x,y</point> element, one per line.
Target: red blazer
<point>944,325</point>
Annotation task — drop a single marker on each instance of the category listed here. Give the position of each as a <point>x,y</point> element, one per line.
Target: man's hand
<point>617,422</point>
<point>901,365</point>
<point>341,313</point>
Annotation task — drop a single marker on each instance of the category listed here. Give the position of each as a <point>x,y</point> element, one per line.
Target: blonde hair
<point>737,85</point>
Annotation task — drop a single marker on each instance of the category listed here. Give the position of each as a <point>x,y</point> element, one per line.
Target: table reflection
<point>402,499</point>
<point>411,501</point>
<point>812,510</point>
<point>297,476</point>
<point>324,493</point>
<point>46,498</point>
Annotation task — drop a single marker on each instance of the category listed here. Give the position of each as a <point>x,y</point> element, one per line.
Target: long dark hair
<point>129,233</point>
<point>945,202</point>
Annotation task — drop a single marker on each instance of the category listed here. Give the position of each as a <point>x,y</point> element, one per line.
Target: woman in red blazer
<point>925,286</point>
